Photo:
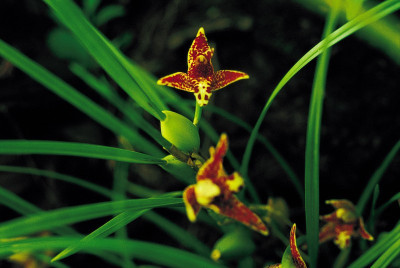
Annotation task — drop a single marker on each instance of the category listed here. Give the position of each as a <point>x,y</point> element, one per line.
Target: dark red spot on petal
<point>205,97</point>
<point>199,97</point>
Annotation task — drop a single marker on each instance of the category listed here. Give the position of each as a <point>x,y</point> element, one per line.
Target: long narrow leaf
<point>18,204</point>
<point>154,253</point>
<point>75,149</point>
<point>55,175</point>
<point>311,176</point>
<point>104,89</point>
<point>376,177</point>
<point>71,95</point>
<point>179,234</point>
<point>64,216</point>
<point>372,15</point>
<point>108,57</point>
<point>105,230</point>
<point>267,144</point>
<point>378,249</point>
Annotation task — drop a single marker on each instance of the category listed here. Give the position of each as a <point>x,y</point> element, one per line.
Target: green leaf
<point>376,177</point>
<point>178,233</point>
<point>372,15</point>
<point>55,175</point>
<point>75,149</point>
<point>151,252</point>
<point>71,95</point>
<point>287,259</point>
<point>380,248</point>
<point>108,13</point>
<point>64,216</point>
<point>103,88</point>
<point>18,204</point>
<point>105,230</point>
<point>126,75</point>
<point>311,176</point>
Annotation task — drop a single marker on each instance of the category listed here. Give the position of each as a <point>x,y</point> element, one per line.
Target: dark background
<point>360,123</point>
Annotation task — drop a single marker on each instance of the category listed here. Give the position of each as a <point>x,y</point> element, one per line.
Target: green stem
<point>197,114</point>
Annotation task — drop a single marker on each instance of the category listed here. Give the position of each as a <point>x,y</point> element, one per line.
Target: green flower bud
<point>180,131</point>
<point>233,245</point>
<point>180,170</point>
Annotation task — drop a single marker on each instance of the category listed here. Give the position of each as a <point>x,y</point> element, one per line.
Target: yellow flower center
<point>206,191</point>
<point>346,215</point>
<point>342,240</point>
<point>236,184</point>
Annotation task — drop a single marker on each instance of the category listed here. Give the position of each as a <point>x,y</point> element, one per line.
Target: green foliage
<point>134,124</point>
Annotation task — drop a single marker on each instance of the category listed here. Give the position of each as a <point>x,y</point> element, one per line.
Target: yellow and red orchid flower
<point>342,224</point>
<point>214,189</point>
<point>293,258</point>
<point>201,78</point>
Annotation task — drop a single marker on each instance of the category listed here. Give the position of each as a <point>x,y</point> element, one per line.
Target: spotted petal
<point>191,204</point>
<point>177,80</point>
<point>327,232</point>
<point>234,209</point>
<point>297,259</point>
<point>225,77</point>
<point>213,167</point>
<point>364,233</point>
<point>199,47</point>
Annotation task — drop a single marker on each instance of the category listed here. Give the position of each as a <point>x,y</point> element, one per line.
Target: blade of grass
<point>388,256</point>
<point>23,207</point>
<point>267,144</point>
<point>311,176</point>
<point>382,245</point>
<point>75,149</point>
<point>16,203</point>
<point>393,199</point>
<point>379,11</point>
<point>121,171</point>
<point>103,231</point>
<point>77,99</point>
<point>154,253</point>
<point>107,56</point>
<point>51,174</point>
<point>104,89</point>
<point>175,231</point>
<point>64,216</point>
<point>376,177</point>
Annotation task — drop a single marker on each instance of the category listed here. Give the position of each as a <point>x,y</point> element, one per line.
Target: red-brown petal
<point>327,232</point>
<point>213,167</point>
<point>297,259</point>
<point>341,203</point>
<point>199,47</point>
<point>192,207</point>
<point>236,210</point>
<point>225,77</point>
<point>364,234</point>
<point>330,217</point>
<point>177,80</point>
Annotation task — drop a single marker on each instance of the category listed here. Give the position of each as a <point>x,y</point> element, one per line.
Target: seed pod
<point>180,170</point>
<point>180,131</point>
<point>233,245</point>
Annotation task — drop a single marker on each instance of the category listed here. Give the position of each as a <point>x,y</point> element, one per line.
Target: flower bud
<point>233,245</point>
<point>180,170</point>
<point>180,131</point>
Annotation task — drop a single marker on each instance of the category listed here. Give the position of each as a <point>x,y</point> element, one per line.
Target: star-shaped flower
<point>216,190</point>
<point>201,78</point>
<point>342,224</point>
